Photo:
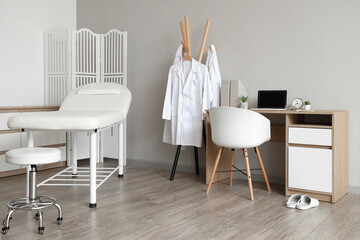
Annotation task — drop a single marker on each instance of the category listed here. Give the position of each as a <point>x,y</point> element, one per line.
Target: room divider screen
<point>73,58</point>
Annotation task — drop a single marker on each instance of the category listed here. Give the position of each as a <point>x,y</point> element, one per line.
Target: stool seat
<point>33,156</point>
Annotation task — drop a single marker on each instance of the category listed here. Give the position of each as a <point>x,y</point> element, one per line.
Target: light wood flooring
<point>146,205</point>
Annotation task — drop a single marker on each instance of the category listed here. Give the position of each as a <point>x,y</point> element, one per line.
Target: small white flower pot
<point>307,107</point>
<point>244,105</point>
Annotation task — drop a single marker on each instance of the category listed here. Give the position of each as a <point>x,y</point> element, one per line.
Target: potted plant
<point>307,105</point>
<point>244,103</point>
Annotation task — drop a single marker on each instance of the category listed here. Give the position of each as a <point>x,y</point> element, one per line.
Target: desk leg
<point>93,156</point>
<point>30,143</point>
<point>121,150</point>
<point>73,153</point>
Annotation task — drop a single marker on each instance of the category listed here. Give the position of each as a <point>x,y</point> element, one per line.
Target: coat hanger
<point>186,39</point>
<point>202,50</point>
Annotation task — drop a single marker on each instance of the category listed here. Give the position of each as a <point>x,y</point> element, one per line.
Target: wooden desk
<point>316,149</point>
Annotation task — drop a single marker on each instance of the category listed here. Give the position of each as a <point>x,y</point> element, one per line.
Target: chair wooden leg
<point>214,170</point>
<point>231,165</point>
<point>262,168</point>
<point>248,174</point>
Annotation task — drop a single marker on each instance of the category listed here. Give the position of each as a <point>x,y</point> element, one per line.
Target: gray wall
<point>309,47</point>
<point>22,27</point>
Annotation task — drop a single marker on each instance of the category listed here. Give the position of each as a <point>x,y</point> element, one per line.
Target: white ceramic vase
<point>307,107</point>
<point>244,105</point>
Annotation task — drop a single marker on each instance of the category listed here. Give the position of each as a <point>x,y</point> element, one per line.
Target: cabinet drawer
<point>310,169</point>
<point>312,136</point>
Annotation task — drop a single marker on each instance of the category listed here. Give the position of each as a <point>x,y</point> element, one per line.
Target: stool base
<point>37,204</point>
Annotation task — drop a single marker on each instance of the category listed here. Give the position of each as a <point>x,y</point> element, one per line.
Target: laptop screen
<point>272,99</point>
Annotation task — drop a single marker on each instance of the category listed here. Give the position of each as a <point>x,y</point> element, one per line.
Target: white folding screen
<point>76,58</point>
<point>85,50</point>
<point>113,55</point>
<point>56,66</point>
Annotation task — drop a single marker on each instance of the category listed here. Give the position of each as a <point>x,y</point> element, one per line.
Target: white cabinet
<point>316,154</point>
<point>310,169</point>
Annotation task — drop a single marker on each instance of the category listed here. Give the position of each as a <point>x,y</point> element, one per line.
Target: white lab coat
<point>180,54</point>
<point>188,95</point>
<point>212,65</point>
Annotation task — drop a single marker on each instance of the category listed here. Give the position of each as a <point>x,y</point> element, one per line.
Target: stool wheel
<point>5,230</point>
<point>41,230</point>
<point>59,220</point>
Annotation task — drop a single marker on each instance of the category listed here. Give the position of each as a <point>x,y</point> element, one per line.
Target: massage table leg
<point>121,150</point>
<point>73,153</point>
<point>68,149</point>
<point>97,148</point>
<point>30,143</point>
<point>101,148</point>
<point>125,127</point>
<point>93,157</point>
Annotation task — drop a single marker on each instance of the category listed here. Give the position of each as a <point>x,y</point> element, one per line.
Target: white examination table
<point>91,108</point>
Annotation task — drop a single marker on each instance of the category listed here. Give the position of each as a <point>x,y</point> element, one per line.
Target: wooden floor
<point>146,205</point>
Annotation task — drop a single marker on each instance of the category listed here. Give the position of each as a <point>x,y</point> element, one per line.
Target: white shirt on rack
<point>188,95</point>
<point>212,65</point>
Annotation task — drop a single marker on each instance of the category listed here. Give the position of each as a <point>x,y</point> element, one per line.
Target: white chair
<point>32,156</point>
<point>237,128</point>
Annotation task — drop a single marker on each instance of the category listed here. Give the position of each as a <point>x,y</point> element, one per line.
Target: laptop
<point>271,100</point>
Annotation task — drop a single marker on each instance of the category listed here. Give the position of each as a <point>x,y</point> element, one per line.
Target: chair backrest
<point>238,128</point>
<point>98,97</point>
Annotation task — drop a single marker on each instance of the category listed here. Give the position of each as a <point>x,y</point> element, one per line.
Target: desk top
<point>317,112</point>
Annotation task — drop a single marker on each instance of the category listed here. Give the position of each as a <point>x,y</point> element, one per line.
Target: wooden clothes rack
<point>185,30</point>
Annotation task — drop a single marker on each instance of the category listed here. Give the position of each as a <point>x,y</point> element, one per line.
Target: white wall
<point>22,24</point>
<point>309,47</point>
